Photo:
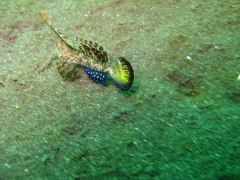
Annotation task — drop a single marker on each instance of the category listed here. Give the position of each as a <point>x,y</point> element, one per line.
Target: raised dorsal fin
<point>44,16</point>
<point>92,49</point>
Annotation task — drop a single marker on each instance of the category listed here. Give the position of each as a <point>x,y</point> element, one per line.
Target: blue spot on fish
<point>96,76</point>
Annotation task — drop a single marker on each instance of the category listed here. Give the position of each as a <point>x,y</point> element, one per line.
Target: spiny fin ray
<point>44,16</point>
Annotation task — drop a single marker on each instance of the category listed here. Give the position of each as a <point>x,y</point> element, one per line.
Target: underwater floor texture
<point>180,120</point>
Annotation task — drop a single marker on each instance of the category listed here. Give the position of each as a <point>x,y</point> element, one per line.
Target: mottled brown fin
<point>92,49</point>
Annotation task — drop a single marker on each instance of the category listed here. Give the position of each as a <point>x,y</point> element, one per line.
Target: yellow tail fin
<point>122,74</point>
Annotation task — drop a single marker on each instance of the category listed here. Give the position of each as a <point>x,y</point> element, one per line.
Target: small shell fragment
<point>189,57</point>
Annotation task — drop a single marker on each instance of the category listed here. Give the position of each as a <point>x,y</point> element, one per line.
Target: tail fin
<point>122,74</point>
<point>44,16</point>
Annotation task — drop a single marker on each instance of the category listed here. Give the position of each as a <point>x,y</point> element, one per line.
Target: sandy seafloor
<point>180,120</point>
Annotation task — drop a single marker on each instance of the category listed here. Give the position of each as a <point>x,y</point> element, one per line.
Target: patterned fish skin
<point>96,76</point>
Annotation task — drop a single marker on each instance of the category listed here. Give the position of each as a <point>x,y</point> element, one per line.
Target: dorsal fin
<point>92,49</point>
<point>44,16</point>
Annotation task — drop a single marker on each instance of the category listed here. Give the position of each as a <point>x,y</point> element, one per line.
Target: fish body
<point>94,59</point>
